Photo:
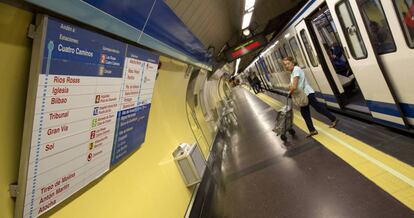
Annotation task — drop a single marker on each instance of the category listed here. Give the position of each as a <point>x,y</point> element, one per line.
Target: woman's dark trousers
<point>305,111</point>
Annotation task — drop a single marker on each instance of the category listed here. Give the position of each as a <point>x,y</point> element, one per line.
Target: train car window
<point>258,68</point>
<point>260,71</point>
<point>282,52</point>
<point>272,62</point>
<point>279,60</point>
<point>275,61</point>
<point>269,64</point>
<point>264,64</point>
<point>405,11</point>
<point>378,28</point>
<point>288,50</point>
<point>308,48</point>
<point>296,52</point>
<point>351,30</point>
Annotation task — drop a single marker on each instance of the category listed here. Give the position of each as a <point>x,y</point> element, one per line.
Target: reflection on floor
<point>256,175</point>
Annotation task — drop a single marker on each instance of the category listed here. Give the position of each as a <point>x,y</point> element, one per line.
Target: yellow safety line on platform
<point>392,175</point>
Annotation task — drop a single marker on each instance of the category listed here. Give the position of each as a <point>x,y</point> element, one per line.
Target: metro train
<point>358,55</point>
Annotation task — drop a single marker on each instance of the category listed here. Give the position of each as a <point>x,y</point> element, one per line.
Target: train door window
<point>405,11</point>
<point>351,30</point>
<point>296,52</point>
<point>308,49</point>
<point>378,28</point>
<point>288,50</point>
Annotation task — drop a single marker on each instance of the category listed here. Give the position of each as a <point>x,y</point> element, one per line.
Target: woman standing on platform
<point>299,81</point>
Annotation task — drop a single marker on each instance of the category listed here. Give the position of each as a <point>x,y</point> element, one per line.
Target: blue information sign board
<point>93,97</point>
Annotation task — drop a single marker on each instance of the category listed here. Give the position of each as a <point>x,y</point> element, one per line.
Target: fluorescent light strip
<point>246,20</point>
<point>249,4</point>
<point>237,65</point>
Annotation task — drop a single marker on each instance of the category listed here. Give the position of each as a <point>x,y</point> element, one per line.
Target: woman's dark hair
<point>290,59</point>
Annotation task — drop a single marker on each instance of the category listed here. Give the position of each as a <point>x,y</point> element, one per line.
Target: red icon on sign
<point>89,156</point>
<point>103,58</point>
<point>92,134</point>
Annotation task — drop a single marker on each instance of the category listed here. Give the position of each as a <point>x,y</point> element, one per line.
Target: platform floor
<point>392,142</point>
<point>257,175</point>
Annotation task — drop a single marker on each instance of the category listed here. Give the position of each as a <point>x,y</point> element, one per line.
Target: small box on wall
<point>190,162</point>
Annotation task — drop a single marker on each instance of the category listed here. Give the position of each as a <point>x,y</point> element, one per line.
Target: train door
<point>336,62</point>
<point>365,64</point>
<point>391,29</point>
<point>317,72</point>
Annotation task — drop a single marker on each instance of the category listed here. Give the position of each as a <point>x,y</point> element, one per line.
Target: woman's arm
<point>294,85</point>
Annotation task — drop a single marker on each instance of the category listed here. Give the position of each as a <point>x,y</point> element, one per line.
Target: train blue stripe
<point>408,109</point>
<point>384,108</point>
<point>319,95</point>
<point>389,123</point>
<point>378,107</point>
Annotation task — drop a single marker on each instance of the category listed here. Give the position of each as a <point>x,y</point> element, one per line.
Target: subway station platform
<point>356,170</point>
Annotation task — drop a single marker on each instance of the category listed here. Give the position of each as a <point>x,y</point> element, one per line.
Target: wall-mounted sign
<point>246,47</point>
<point>88,105</point>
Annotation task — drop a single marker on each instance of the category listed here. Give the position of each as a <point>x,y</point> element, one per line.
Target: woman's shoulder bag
<point>299,98</point>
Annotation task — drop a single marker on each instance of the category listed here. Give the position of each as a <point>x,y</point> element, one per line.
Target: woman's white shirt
<point>302,81</point>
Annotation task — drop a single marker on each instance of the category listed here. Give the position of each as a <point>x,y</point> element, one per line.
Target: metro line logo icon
<point>94,122</point>
<point>92,134</point>
<point>103,58</point>
<point>90,146</point>
<point>101,71</point>
<point>95,111</point>
<point>97,99</point>
<point>89,157</point>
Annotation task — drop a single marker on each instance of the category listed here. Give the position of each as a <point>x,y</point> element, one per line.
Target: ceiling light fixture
<point>246,32</point>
